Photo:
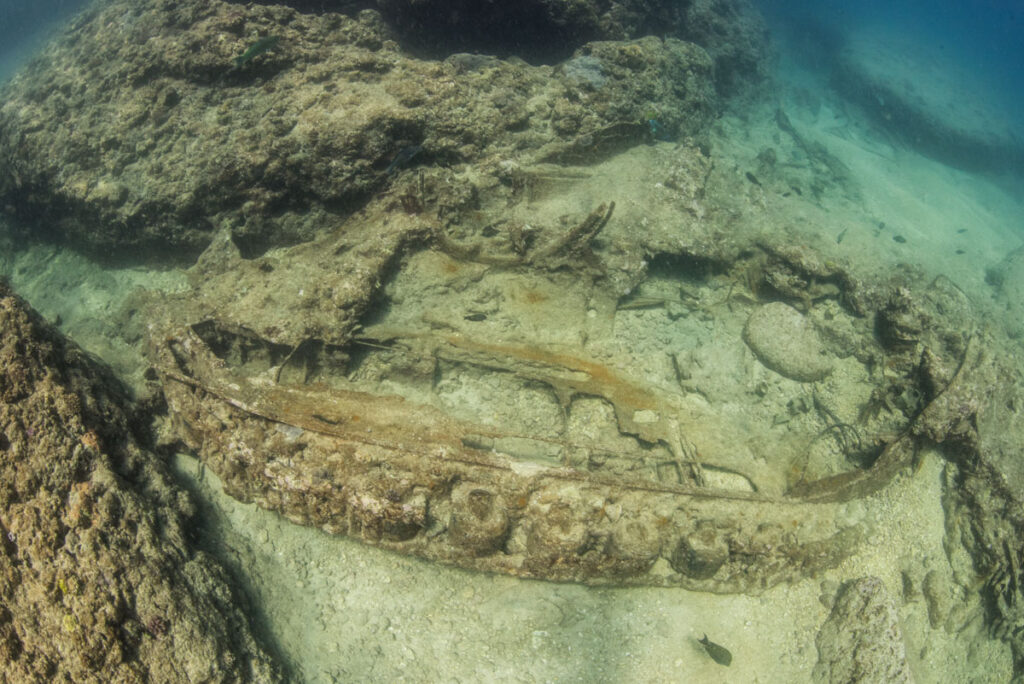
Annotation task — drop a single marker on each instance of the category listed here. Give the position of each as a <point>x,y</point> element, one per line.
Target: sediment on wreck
<point>468,196</point>
<point>98,578</point>
<point>282,425</point>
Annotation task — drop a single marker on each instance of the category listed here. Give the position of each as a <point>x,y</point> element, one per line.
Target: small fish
<point>753,179</point>
<point>658,131</point>
<point>842,234</point>
<point>720,654</point>
<point>402,159</point>
<point>265,44</point>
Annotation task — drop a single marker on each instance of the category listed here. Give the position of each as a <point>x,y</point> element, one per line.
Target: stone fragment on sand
<point>784,340</point>
<point>861,640</point>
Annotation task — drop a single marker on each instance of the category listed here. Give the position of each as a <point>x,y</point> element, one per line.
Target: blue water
<point>25,25</point>
<point>986,37</point>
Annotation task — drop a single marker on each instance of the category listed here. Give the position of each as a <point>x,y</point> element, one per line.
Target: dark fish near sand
<point>720,654</point>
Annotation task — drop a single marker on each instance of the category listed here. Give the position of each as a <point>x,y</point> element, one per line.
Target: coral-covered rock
<point>97,579</point>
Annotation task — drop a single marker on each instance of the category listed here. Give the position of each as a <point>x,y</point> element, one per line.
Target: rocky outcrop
<point>139,132</point>
<point>733,32</point>
<point>97,577</point>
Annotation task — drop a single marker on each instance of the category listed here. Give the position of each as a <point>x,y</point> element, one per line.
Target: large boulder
<point>785,341</point>
<point>98,581</point>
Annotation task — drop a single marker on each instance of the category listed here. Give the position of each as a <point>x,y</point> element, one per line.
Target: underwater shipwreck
<point>625,482</point>
<point>527,318</point>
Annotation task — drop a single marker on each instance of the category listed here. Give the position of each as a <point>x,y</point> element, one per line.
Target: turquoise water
<point>986,38</point>
<point>26,26</point>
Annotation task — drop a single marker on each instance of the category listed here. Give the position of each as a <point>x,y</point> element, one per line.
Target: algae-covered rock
<point>97,577</point>
<point>785,341</point>
<point>984,495</point>
<point>861,640</point>
<point>139,130</point>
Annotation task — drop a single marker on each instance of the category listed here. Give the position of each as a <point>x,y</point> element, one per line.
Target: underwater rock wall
<point>98,579</point>
<point>548,31</point>
<point>143,131</point>
<point>732,32</point>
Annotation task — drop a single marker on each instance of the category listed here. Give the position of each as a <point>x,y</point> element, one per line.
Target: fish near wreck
<point>403,159</point>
